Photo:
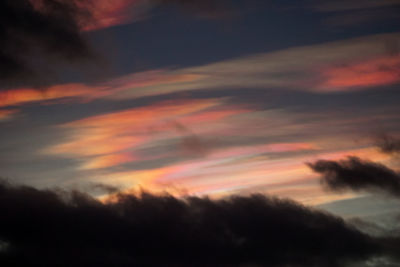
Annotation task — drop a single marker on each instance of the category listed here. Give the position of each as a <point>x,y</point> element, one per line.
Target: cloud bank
<point>60,228</point>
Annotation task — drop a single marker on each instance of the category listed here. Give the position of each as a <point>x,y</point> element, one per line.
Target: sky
<point>213,98</point>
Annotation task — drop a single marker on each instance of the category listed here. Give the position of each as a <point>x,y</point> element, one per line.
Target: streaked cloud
<point>212,145</point>
<point>86,93</point>
<point>346,65</point>
<point>319,68</point>
<point>107,139</point>
<point>22,96</point>
<point>375,72</point>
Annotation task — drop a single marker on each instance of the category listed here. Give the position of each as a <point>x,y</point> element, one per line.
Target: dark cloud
<point>356,174</point>
<point>35,34</point>
<point>104,188</point>
<point>388,144</point>
<point>39,37</point>
<point>60,228</point>
<point>191,143</point>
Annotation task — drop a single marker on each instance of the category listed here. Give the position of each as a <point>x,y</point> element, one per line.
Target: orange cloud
<point>104,140</point>
<point>375,72</point>
<point>85,93</point>
<point>108,161</point>
<point>23,96</point>
<point>136,180</point>
<point>90,143</point>
<point>139,118</point>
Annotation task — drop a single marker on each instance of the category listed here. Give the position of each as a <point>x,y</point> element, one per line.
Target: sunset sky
<point>203,98</point>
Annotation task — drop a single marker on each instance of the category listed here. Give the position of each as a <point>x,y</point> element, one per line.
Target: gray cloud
<point>358,175</point>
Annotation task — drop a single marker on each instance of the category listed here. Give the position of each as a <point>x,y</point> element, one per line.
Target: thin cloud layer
<point>342,66</point>
<point>358,175</point>
<point>49,228</point>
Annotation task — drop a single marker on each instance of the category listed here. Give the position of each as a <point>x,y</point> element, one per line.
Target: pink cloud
<point>369,73</point>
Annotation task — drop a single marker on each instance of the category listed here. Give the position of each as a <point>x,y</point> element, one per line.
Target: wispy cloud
<point>375,72</point>
<point>83,93</point>
<point>319,68</point>
<point>346,65</point>
<point>104,135</point>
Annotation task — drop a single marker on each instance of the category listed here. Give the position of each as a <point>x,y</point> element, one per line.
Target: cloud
<point>107,13</point>
<point>370,73</point>
<point>191,143</point>
<point>111,139</point>
<point>31,35</point>
<point>118,12</point>
<point>21,96</point>
<point>37,34</point>
<point>56,227</point>
<point>389,144</point>
<point>358,175</point>
<point>107,188</point>
<point>83,93</point>
<point>345,65</point>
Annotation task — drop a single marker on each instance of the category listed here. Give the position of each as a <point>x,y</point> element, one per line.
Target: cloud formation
<point>358,175</point>
<point>63,228</point>
<point>37,31</point>
<point>346,65</point>
<point>389,144</point>
<point>37,34</point>
<point>375,72</point>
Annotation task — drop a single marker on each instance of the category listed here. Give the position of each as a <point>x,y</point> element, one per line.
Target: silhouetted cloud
<point>60,228</point>
<point>388,144</point>
<point>357,174</point>
<point>34,33</point>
